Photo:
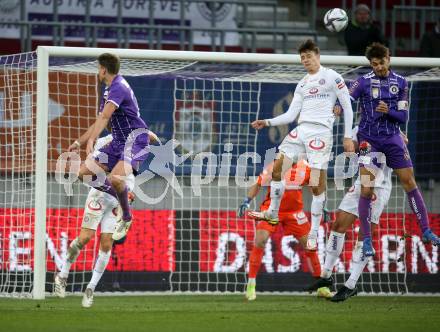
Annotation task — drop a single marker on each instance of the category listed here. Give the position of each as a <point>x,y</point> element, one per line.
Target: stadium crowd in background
<point>430,44</point>
<point>361,31</point>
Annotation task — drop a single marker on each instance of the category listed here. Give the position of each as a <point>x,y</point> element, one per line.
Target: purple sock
<point>417,204</point>
<point>106,187</point>
<point>123,200</point>
<point>364,208</point>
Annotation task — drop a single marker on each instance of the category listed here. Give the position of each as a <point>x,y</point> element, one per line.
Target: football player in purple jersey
<point>383,97</point>
<point>118,110</point>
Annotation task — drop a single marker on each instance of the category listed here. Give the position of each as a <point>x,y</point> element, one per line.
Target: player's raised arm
<point>344,99</point>
<point>285,118</point>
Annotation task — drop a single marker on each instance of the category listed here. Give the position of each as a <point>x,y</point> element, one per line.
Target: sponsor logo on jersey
<point>293,134</point>
<point>322,81</point>
<point>94,206</point>
<point>317,144</point>
<point>394,89</point>
<point>313,91</point>
<point>373,81</point>
<point>375,92</point>
<point>317,96</point>
<point>339,83</point>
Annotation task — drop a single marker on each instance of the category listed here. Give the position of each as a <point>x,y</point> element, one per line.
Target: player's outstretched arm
<point>259,124</point>
<point>291,114</point>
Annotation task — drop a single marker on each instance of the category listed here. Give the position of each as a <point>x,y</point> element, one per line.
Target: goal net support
<point>186,235</point>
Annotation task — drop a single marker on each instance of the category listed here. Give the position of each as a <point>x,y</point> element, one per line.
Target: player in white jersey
<point>346,216</point>
<point>313,100</point>
<point>100,209</point>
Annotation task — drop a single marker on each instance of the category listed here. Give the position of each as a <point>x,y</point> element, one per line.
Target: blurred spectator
<point>430,45</point>
<point>361,32</point>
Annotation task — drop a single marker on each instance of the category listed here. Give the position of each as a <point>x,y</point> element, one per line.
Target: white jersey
<point>101,208</point>
<point>314,99</point>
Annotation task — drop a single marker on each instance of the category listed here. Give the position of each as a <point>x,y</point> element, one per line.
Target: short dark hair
<point>377,50</point>
<point>110,62</point>
<point>308,45</point>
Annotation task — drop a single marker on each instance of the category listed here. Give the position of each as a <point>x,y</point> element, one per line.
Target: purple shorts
<point>395,150</point>
<point>134,154</point>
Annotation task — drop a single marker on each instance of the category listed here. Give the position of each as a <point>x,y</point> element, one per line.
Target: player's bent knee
<point>117,183</point>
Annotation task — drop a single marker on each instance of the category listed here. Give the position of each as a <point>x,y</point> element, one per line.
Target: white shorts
<point>309,141</point>
<point>380,199</point>
<point>101,208</point>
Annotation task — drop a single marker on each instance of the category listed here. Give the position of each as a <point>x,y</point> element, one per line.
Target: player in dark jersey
<point>383,97</point>
<point>129,148</point>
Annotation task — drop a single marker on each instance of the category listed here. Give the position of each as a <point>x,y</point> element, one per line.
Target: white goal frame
<point>43,54</point>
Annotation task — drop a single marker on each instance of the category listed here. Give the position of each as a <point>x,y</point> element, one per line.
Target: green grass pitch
<point>221,313</point>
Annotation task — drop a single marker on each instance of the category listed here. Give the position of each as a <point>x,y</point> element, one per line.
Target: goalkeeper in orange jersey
<point>292,218</point>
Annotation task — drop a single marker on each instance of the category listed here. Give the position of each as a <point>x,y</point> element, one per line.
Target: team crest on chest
<point>375,92</point>
<point>394,89</point>
<point>322,81</point>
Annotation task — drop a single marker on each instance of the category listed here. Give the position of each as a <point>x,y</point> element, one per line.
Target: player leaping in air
<point>292,217</point>
<point>314,98</point>
<point>384,106</point>
<point>129,147</point>
<point>100,209</point>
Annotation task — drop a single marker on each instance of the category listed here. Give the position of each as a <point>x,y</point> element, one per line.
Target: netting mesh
<point>192,239</point>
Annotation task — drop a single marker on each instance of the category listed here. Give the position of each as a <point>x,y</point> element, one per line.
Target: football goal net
<point>186,235</point>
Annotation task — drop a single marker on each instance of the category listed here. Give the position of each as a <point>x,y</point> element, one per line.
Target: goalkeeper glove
<point>244,206</point>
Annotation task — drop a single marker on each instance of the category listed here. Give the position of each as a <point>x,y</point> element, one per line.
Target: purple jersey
<point>370,89</point>
<point>126,117</point>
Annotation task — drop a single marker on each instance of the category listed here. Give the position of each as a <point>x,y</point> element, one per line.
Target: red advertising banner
<point>149,245</point>
<point>224,243</point>
<point>225,240</point>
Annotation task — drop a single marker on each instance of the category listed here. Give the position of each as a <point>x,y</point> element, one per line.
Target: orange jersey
<point>295,178</point>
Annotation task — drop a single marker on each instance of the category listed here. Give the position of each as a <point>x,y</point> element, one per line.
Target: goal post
<point>232,89</point>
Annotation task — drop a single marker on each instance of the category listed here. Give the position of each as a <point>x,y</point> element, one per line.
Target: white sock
<point>72,254</point>
<point>317,211</point>
<point>98,270</point>
<point>358,263</point>
<point>333,250</point>
<point>276,192</point>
